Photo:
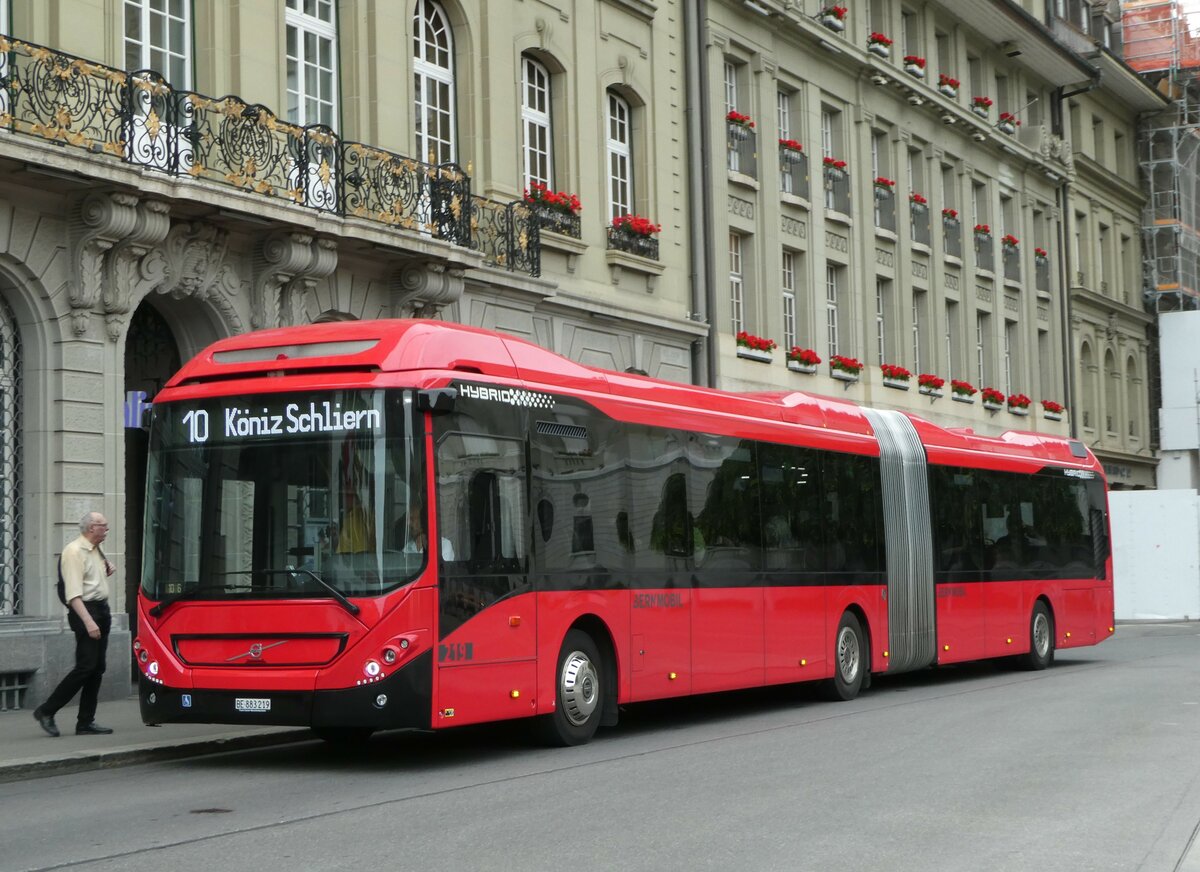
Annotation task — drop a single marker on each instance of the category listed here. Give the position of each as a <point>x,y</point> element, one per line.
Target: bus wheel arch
<point>582,685</point>
<point>602,636</point>
<point>1041,635</point>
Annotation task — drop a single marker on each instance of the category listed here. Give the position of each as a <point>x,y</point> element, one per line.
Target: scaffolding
<point>1160,43</point>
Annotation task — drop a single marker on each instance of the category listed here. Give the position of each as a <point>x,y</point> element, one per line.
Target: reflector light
<point>381,700</point>
<point>803,662</point>
<point>389,656</point>
<point>945,647</point>
<point>1008,641</point>
<point>143,655</point>
<point>403,643</point>
<point>137,644</point>
<point>1068,635</point>
<point>515,694</point>
<point>514,621</point>
<point>672,676</point>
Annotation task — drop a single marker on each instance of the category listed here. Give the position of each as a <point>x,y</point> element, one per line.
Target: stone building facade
<point>143,218</point>
<point>372,160</point>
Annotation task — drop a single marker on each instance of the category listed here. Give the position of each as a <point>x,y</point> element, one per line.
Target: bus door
<point>487,620</point>
<point>727,608</point>
<point>960,562</point>
<point>660,620</point>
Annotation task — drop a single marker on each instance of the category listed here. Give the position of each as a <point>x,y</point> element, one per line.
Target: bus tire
<point>1041,638</point>
<point>850,660</point>
<point>578,692</point>
<point>343,737</point>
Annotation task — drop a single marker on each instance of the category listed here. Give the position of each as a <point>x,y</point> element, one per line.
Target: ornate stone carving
<point>286,266</point>
<point>419,289</point>
<point>98,222</point>
<point>196,267</point>
<point>134,266</point>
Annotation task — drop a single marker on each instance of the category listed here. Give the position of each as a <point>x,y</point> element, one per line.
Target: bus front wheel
<point>850,660</point>
<point>1041,638</point>
<point>578,691</point>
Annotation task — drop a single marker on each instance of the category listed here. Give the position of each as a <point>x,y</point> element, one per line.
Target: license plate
<point>242,704</point>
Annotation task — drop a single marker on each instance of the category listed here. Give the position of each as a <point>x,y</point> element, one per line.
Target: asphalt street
<point>1090,765</point>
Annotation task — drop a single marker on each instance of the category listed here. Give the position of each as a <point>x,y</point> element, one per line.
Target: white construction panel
<point>1156,554</point>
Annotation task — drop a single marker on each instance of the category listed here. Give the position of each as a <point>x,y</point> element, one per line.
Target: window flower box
<point>948,86</point>
<point>1052,411</point>
<point>1010,242</point>
<point>556,211</point>
<point>884,188</point>
<point>1041,256</point>
<point>635,235</point>
<point>738,125</point>
<point>753,347</point>
<point>844,368</point>
<point>895,376</point>
<point>1018,404</point>
<point>803,360</point>
<point>1008,123</point>
<point>981,106</point>
<point>835,169</point>
<point>993,400</point>
<point>950,217</point>
<point>962,391</point>
<point>914,65</point>
<point>790,151</point>
<point>931,385</point>
<point>834,18</point>
<point>983,233</point>
<point>879,45</point>
<point>918,203</point>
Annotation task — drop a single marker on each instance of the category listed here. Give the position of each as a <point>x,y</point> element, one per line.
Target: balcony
<point>952,237</point>
<point>919,217</point>
<point>837,191</point>
<point>1012,264</point>
<point>139,118</point>
<point>793,172</point>
<point>741,150</point>
<point>985,257</point>
<point>633,243</point>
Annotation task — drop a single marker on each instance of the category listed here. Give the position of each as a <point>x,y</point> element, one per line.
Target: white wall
<point>1179,360</point>
<point>1156,554</point>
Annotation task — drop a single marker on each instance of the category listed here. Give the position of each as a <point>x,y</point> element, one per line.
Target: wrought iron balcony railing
<point>507,235</point>
<point>633,243</point>
<point>138,118</point>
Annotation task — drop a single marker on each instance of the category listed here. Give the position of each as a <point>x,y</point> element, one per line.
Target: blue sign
<point>136,407</point>
<point>187,700</point>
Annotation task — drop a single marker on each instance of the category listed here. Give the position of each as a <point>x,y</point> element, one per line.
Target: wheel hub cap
<point>847,655</point>
<point>580,688</point>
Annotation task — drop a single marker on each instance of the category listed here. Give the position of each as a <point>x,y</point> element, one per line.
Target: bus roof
<point>458,351</point>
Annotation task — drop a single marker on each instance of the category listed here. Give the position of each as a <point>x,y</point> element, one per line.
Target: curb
<point>88,762</point>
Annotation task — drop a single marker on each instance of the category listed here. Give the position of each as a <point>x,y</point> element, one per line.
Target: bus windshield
<point>283,495</point>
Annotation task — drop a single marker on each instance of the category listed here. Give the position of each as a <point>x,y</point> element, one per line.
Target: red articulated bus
<point>364,525</point>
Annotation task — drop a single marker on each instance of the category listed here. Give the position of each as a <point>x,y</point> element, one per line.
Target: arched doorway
<point>151,357</point>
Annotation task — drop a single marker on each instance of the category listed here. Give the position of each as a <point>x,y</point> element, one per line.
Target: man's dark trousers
<point>85,678</point>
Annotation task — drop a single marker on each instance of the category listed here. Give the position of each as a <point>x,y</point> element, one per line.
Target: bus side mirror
<point>437,400</point>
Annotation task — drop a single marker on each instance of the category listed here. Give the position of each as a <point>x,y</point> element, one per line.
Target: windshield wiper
<point>333,591</point>
<point>189,593</point>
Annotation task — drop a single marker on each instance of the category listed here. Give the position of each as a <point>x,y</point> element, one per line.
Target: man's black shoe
<point>92,729</point>
<point>46,722</point>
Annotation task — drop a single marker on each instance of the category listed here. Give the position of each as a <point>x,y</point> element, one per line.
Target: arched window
<point>1132,403</point>
<point>433,83</point>
<point>1112,393</point>
<point>10,464</point>
<point>620,157</point>
<point>1087,378</point>
<point>535,123</point>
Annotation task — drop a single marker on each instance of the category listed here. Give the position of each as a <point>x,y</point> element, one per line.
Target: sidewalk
<point>27,752</point>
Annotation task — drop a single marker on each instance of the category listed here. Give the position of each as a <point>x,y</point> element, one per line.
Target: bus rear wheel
<point>1041,638</point>
<point>850,660</point>
<point>578,692</point>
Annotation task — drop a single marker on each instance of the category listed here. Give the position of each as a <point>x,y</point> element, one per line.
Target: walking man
<point>85,571</point>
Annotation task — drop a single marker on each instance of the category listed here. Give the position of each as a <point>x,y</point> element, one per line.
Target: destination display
<point>270,416</point>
